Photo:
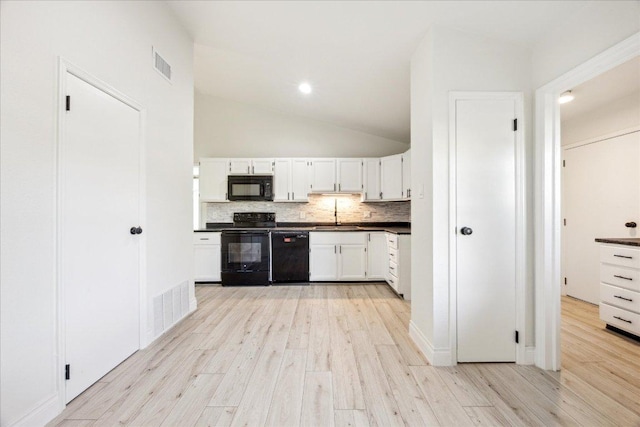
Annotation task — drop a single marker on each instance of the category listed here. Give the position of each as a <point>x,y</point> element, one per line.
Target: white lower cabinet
<point>398,274</point>
<point>377,256</point>
<point>620,287</point>
<point>340,256</point>
<point>206,255</point>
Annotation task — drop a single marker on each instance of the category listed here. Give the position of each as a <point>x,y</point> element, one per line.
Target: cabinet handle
<point>626,299</point>
<point>287,196</point>
<point>340,248</point>
<point>622,277</point>
<point>624,320</point>
<point>381,195</point>
<point>335,251</point>
<point>248,169</point>
<point>623,256</point>
<point>293,196</point>
<point>253,169</point>
<point>392,269</point>
<point>204,238</point>
<point>369,234</point>
<point>339,187</point>
<point>334,186</point>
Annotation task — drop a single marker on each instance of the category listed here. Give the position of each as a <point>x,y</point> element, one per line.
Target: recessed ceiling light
<point>305,88</point>
<point>566,97</point>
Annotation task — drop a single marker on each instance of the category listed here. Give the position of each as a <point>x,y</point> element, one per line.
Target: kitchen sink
<point>336,227</point>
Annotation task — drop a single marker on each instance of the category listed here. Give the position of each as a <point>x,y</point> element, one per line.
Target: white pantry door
<point>486,206</point>
<point>100,196</point>
<point>601,193</point>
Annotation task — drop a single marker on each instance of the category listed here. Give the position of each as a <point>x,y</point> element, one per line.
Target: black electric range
<point>246,254</point>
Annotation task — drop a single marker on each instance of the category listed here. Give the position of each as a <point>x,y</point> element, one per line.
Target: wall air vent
<point>161,65</point>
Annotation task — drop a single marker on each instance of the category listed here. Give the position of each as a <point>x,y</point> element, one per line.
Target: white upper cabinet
<point>291,180</point>
<point>323,176</point>
<point>371,174</point>
<point>349,175</point>
<point>300,180</point>
<point>406,175</point>
<point>391,177</point>
<point>250,166</point>
<point>282,180</point>
<point>213,180</point>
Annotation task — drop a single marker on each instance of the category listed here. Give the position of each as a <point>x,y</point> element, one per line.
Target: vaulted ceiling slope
<point>356,54</point>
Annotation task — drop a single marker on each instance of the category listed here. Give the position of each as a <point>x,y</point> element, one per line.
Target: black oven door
<point>245,258</point>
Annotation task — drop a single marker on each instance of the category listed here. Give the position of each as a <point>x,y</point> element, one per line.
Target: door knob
<point>631,224</point>
<point>135,230</point>
<point>466,231</point>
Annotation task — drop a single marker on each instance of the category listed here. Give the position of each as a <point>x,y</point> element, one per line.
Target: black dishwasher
<point>290,256</point>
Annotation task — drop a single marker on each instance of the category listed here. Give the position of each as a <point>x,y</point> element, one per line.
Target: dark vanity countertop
<point>391,227</point>
<point>621,241</point>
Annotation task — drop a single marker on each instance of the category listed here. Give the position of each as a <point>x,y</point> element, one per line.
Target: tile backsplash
<point>320,208</point>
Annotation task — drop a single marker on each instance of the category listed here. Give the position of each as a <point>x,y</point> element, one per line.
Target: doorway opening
<point>548,202</point>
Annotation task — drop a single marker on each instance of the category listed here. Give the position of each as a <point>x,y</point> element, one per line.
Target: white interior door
<point>100,175</point>
<point>601,193</point>
<point>486,205</point>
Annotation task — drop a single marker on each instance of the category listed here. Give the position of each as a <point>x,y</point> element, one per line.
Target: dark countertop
<point>391,227</point>
<point>621,241</point>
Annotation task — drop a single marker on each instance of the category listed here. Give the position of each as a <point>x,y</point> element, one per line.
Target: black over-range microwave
<point>250,187</point>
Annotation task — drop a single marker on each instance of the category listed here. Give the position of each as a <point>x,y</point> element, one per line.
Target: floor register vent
<point>161,65</point>
<point>169,307</point>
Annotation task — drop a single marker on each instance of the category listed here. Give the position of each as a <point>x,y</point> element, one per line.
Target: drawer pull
<point>392,269</point>
<point>623,256</point>
<point>622,277</point>
<point>624,320</point>
<point>204,238</point>
<point>626,299</point>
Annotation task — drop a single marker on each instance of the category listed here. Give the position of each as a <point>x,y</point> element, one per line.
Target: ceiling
<point>356,54</point>
<point>604,89</point>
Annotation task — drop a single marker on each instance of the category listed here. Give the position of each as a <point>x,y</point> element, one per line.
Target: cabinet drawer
<point>623,298</point>
<point>393,282</point>
<point>620,318</point>
<point>393,255</point>
<point>617,255</point>
<point>212,238</point>
<point>393,269</point>
<point>624,277</point>
<point>392,240</point>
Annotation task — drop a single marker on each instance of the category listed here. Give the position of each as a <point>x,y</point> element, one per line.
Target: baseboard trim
<point>41,414</point>
<point>436,357</point>
<point>530,355</point>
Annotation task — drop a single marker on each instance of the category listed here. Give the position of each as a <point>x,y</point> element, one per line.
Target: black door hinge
<point>68,103</point>
<point>67,372</point>
<point>517,337</point>
<point>515,125</point>
<point>564,221</point>
<point>564,163</point>
<point>565,280</point>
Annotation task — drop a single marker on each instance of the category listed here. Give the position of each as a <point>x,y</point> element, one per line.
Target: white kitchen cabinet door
<point>349,175</point>
<point>391,177</point>
<point>282,180</point>
<point>371,182</point>
<point>323,262</point>
<point>239,166</point>
<point>323,176</point>
<point>352,262</point>
<point>206,263</point>
<point>377,256</point>
<point>213,180</point>
<point>406,175</point>
<point>262,167</point>
<point>299,180</point>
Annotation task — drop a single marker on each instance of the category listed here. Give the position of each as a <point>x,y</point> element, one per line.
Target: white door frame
<point>548,196</point>
<point>64,68</point>
<point>520,195</point>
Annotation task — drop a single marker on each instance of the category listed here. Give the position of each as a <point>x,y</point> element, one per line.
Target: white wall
<point>112,41</point>
<point>225,128</point>
<point>575,39</point>
<point>449,60</point>
<point>623,113</point>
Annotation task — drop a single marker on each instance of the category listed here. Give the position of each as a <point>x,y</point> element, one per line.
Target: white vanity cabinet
<point>206,256</point>
<point>620,287</point>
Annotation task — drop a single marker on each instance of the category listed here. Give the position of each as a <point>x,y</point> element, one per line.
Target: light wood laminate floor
<point>340,355</point>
